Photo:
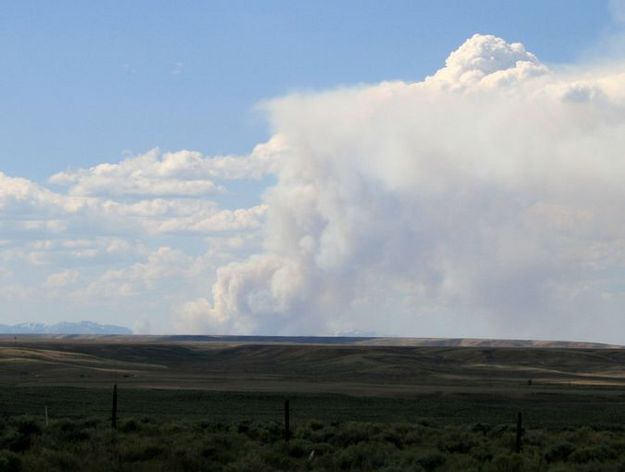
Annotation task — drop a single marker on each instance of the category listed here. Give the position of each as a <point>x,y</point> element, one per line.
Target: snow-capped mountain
<point>81,327</point>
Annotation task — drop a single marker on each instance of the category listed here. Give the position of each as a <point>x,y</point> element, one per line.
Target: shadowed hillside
<point>242,379</point>
<point>322,340</point>
<point>346,368</point>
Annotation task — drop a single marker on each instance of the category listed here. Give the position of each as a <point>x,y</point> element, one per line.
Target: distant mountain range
<point>81,327</point>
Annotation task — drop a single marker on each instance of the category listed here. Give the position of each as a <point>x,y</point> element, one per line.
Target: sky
<point>432,169</point>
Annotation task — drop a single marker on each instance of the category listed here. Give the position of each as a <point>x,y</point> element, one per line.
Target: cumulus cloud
<point>115,235</point>
<point>61,279</point>
<point>182,173</point>
<point>31,208</point>
<point>484,200</point>
<point>489,61</point>
<point>163,263</point>
<point>490,194</point>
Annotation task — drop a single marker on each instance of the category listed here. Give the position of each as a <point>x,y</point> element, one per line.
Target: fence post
<point>114,412</point>
<point>45,409</point>
<point>287,432</point>
<point>519,432</point>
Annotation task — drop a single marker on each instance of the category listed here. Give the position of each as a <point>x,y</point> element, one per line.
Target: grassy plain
<point>200,379</point>
<point>217,404</point>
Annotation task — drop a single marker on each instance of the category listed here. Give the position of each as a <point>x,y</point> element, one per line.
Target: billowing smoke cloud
<point>485,200</point>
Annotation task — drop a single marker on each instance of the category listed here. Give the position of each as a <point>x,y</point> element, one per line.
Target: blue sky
<point>447,168</point>
<point>84,82</point>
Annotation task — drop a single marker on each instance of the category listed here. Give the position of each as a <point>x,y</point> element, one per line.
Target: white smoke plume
<point>485,200</point>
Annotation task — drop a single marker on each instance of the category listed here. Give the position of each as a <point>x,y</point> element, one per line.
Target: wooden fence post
<point>287,413</point>
<point>519,432</point>
<point>114,412</point>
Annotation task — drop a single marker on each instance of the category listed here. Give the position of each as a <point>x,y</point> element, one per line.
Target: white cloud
<point>182,173</point>
<point>209,221</point>
<point>148,174</point>
<point>488,61</point>
<point>118,236</point>
<point>488,195</point>
<point>28,207</point>
<point>61,279</point>
<point>485,200</point>
<point>163,263</point>
<point>196,316</point>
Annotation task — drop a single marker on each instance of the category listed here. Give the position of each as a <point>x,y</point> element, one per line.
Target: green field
<point>223,381</point>
<point>233,392</point>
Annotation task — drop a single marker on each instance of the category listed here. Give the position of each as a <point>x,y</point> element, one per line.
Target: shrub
<point>130,426</point>
<point>71,431</point>
<point>500,429</point>
<point>185,458</point>
<point>507,463</point>
<point>392,437</point>
<point>178,445</point>
<point>582,435</point>
<point>431,461</point>
<point>219,447</point>
<point>19,437</point>
<point>457,442</point>
<point>249,463</point>
<point>276,457</point>
<point>299,448</point>
<point>143,453</point>
<point>559,451</point>
<point>323,434</point>
<point>270,432</point>
<point>480,428</point>
<point>592,454</point>
<point>397,468</point>
<point>10,462</point>
<point>535,438</point>
<point>482,453</point>
<point>315,425</point>
<point>417,435</point>
<point>322,449</point>
<point>352,433</point>
<point>462,462</point>
<point>28,426</point>
<point>428,460</point>
<point>243,427</point>
<point>91,422</point>
<point>369,456</point>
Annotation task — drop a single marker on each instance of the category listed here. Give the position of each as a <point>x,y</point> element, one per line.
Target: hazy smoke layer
<point>487,197</point>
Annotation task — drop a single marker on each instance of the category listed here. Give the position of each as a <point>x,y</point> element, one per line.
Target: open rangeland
<point>438,401</point>
<point>355,379</point>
